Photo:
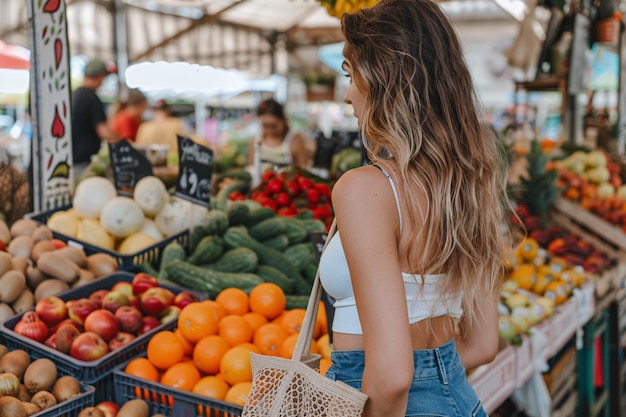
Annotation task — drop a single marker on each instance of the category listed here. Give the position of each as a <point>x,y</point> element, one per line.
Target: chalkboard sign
<point>129,166</point>
<point>195,168</point>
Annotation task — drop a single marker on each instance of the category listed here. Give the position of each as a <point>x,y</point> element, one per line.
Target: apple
<point>133,301</point>
<point>184,298</point>
<point>170,313</point>
<point>109,408</point>
<point>97,297</point>
<point>56,327</point>
<point>121,339</point>
<point>51,341</point>
<point>88,347</point>
<point>51,310</point>
<point>114,300</point>
<point>78,310</point>
<point>148,323</point>
<point>65,335</point>
<point>142,282</point>
<point>155,300</point>
<point>128,319</point>
<point>102,322</point>
<point>125,288</point>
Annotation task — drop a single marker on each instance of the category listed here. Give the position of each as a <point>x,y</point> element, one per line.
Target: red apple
<point>109,408</point>
<point>97,297</point>
<point>56,327</point>
<point>114,300</point>
<point>134,302</point>
<point>143,282</point>
<point>125,288</point>
<point>102,322</point>
<point>88,347</point>
<point>155,300</point>
<point>51,310</point>
<point>78,310</point>
<point>148,323</point>
<point>170,313</point>
<point>65,335</point>
<point>51,341</point>
<point>120,339</point>
<point>128,319</point>
<point>184,298</point>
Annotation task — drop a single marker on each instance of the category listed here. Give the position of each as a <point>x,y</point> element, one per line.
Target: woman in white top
<point>416,265</point>
<point>277,147</point>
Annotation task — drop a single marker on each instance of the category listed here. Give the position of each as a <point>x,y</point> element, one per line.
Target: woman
<point>416,265</point>
<point>127,115</point>
<point>277,146</point>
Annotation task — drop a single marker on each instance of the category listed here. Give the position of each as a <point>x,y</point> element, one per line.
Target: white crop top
<point>335,278</point>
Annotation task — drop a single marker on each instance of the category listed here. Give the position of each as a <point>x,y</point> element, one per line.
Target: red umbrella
<point>13,57</point>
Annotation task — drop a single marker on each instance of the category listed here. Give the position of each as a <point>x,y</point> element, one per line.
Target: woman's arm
<point>368,222</point>
<point>251,152</point>
<point>298,151</point>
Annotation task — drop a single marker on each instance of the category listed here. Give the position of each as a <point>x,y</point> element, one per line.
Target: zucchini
<point>216,222</point>
<point>238,237</point>
<point>296,301</point>
<point>313,225</point>
<point>197,234</point>
<point>209,282</point>
<point>309,271</point>
<point>270,274</point>
<point>221,199</point>
<point>208,250</point>
<point>267,229</point>
<point>295,231</point>
<point>259,215</point>
<point>236,260</point>
<point>172,251</point>
<point>237,213</point>
<point>147,268</point>
<point>300,255</point>
<point>280,242</point>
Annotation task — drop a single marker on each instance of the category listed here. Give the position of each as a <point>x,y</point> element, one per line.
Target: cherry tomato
<point>283,199</point>
<point>275,186</point>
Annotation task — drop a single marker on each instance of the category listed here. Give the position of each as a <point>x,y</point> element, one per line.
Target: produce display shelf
<point>524,361</point>
<point>126,262</point>
<point>563,325</point>
<point>73,406</point>
<point>496,381</point>
<point>98,373</point>
<point>168,401</point>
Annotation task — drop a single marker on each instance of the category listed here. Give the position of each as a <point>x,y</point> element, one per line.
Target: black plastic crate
<point>150,255</point>
<point>99,372</point>
<point>169,401</point>
<point>71,407</point>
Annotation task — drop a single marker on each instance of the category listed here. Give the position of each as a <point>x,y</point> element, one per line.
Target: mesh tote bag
<point>294,388</point>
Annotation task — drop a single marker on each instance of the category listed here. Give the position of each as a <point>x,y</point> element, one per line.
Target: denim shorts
<point>439,389</point>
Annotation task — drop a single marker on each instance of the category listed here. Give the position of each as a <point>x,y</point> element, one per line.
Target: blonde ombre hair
<point>420,111</point>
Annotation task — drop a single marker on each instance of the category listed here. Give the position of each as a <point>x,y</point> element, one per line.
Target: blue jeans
<point>439,389</point>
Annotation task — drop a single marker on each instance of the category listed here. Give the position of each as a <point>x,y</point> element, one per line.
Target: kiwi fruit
<point>12,283</point>
<point>12,407</point>
<point>30,408</point>
<point>23,227</point>
<point>40,375</point>
<point>65,388</point>
<point>91,412</point>
<point>15,362</point>
<point>50,287</point>
<point>5,311</point>
<point>24,302</point>
<point>3,350</point>
<point>44,400</point>
<point>134,408</point>
<point>24,396</point>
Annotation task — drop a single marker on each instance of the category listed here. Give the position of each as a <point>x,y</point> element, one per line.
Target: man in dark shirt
<point>89,125</point>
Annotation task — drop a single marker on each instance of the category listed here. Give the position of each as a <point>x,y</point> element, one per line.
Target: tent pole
<point>120,44</point>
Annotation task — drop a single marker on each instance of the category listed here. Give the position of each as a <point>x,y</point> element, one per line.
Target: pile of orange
<point>209,352</point>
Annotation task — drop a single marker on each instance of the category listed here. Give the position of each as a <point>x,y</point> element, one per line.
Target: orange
<point>238,393</point>
<point>250,347</point>
<point>323,345</point>
<point>269,337</point>
<point>279,319</point>
<point>187,346</point>
<point>165,350</point>
<point>235,365</point>
<point>324,365</point>
<point>255,320</point>
<point>293,319</point>
<point>182,376</point>
<point>234,300</point>
<point>211,387</point>
<point>289,344</point>
<point>267,299</point>
<point>142,368</point>
<point>235,330</point>
<point>208,353</point>
<point>218,309</point>
<point>196,321</point>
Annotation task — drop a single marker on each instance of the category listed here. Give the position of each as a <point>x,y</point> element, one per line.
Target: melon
<point>91,231</point>
<point>150,194</point>
<point>136,243</point>
<point>150,228</point>
<point>64,222</point>
<point>91,195</point>
<point>121,217</point>
<point>174,217</point>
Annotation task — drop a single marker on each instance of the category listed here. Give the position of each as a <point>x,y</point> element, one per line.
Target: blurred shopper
<point>162,129</point>
<point>277,146</point>
<point>89,127</point>
<point>128,113</point>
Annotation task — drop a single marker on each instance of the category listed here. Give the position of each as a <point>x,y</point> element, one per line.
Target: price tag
<point>129,166</point>
<point>195,168</point>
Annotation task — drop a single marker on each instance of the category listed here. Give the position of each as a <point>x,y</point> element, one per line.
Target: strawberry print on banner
<point>50,98</point>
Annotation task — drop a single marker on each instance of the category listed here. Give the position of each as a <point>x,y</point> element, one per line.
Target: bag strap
<point>303,346</point>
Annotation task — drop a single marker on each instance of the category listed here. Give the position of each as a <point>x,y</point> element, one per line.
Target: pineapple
<point>539,188</point>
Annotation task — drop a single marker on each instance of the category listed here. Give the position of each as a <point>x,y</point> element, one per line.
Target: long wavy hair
<point>421,111</point>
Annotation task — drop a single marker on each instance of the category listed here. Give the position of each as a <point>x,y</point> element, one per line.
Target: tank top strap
<point>395,192</point>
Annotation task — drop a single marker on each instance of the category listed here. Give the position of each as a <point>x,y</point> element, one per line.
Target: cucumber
<point>259,215</point>
<point>216,222</point>
<point>305,215</point>
<point>309,271</point>
<point>295,230</point>
<point>313,225</point>
<point>208,250</point>
<point>280,242</point>
<point>300,255</point>
<point>172,251</point>
<point>221,199</point>
<point>270,274</point>
<point>197,234</point>
<point>237,213</point>
<point>236,260</point>
<point>297,301</point>
<point>268,228</point>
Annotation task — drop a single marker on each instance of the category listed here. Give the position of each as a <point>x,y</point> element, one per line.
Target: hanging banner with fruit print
<point>50,105</point>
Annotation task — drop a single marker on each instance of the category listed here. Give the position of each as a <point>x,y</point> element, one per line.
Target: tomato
<point>268,175</point>
<point>275,186</point>
<point>292,187</point>
<point>259,195</point>
<point>268,202</point>
<point>283,199</point>
<point>321,212</point>
<point>286,211</point>
<point>236,196</point>
<point>32,326</point>
<point>323,189</point>
<point>313,196</point>
<point>58,244</point>
<point>305,183</point>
